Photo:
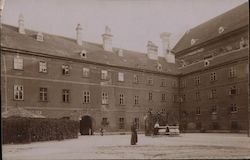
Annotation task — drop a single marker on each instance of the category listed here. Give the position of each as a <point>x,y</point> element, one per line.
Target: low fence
<point>26,130</point>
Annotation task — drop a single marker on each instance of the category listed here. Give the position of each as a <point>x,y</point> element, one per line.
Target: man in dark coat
<point>134,137</point>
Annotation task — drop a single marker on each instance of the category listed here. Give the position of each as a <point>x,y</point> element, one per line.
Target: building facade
<point>200,84</point>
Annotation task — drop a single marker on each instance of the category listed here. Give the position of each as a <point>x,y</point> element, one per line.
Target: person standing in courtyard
<point>134,137</point>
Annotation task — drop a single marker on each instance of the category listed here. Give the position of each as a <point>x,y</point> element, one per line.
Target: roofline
<point>12,50</point>
<point>210,41</point>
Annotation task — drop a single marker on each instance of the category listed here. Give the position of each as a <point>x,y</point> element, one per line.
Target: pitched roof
<point>220,25</point>
<point>67,47</point>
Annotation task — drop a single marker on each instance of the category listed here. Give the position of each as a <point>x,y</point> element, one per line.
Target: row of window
<point>213,77</point>
<point>214,109</point>
<point>43,94</point>
<point>18,65</point>
<point>212,94</point>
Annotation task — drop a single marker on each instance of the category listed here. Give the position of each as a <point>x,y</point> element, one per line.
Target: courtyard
<point>185,146</point>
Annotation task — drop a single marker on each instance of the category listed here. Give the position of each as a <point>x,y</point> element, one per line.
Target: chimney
<point>166,50</point>
<point>21,29</point>
<point>107,39</point>
<point>79,34</point>
<point>152,50</point>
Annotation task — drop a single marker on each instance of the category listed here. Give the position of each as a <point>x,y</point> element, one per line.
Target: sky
<point>133,22</point>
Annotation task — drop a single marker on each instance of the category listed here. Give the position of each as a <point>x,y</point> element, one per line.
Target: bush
<point>26,130</point>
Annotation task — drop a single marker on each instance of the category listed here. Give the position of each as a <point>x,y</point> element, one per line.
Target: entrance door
<point>86,125</point>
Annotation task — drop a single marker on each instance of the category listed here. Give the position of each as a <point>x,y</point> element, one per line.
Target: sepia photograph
<point>124,79</point>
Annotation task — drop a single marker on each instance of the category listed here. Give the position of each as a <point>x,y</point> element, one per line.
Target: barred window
<point>18,92</point>
<point>65,69</point>
<point>86,97</point>
<point>65,95</point>
<point>104,98</point>
<point>18,63</point>
<point>43,94</point>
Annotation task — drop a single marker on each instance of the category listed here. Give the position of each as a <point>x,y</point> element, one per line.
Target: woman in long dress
<point>134,137</point>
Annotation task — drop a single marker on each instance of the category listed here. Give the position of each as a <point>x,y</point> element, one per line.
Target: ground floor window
<point>121,123</point>
<point>234,125</point>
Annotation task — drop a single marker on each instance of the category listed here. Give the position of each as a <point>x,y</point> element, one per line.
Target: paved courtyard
<point>195,145</point>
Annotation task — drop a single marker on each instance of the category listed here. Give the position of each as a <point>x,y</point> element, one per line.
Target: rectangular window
<point>65,69</point>
<point>175,98</point>
<point>163,82</point>
<point>232,72</point>
<point>213,76</point>
<point>121,123</point>
<point>136,78</point>
<point>212,94</point>
<point>104,74</point>
<point>136,100</point>
<point>198,111</point>
<point>137,122</point>
<point>121,99</point>
<point>197,95</point>
<point>234,108</point>
<point>85,72</point>
<point>197,80</point>
<point>18,63</point>
<point>233,90</point>
<point>150,96</point>
<point>183,98</point>
<point>183,84</point>
<point>214,109</point>
<point>105,121</point>
<point>65,95</point>
<point>163,97</point>
<point>86,97</point>
<point>43,94</point>
<point>104,98</point>
<point>18,92</point>
<point>174,84</point>
<point>150,81</point>
<point>120,76</point>
<point>42,67</point>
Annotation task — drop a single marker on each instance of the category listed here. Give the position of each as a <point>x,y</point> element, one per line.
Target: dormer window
<point>159,67</point>
<point>193,41</point>
<point>83,54</point>
<point>206,63</point>
<point>221,29</point>
<point>39,37</point>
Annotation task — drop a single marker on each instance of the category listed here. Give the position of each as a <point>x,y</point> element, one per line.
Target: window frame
<point>66,96</point>
<point>65,69</point>
<point>86,97</point>
<point>18,63</point>
<point>43,68</point>
<point>19,92</point>
<point>43,94</point>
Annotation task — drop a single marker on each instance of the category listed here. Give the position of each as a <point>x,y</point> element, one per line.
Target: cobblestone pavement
<point>192,145</point>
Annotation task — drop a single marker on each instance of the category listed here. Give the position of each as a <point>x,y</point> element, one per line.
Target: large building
<point>201,83</point>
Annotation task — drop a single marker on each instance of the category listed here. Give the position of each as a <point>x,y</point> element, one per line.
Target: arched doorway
<point>86,126</point>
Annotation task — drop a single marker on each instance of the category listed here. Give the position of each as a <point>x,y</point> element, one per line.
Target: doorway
<point>86,126</point>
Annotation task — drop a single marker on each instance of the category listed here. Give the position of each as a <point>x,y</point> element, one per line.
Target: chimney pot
<point>107,40</point>
<point>79,34</point>
<point>21,29</point>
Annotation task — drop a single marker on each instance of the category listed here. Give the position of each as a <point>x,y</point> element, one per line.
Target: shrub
<point>26,130</point>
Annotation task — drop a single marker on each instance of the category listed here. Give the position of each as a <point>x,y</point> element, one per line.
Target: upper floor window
<point>121,123</point>
<point>174,84</point>
<point>197,95</point>
<point>121,99</point>
<point>214,109</point>
<point>85,72</point>
<point>150,96</point>
<point>163,97</point>
<point>175,98</point>
<point>18,92</point>
<point>243,43</point>
<point>136,100</point>
<point>233,90</point>
<point>43,94</point>
<point>104,98</point>
<point>163,82</point>
<point>120,76</point>
<point>86,97</point>
<point>42,67</point>
<point>212,94</point>
<point>183,84</point>
<point>136,78</point>
<point>198,111</point>
<point>18,63</point>
<point>213,76</point>
<point>65,69</point>
<point>183,98</point>
<point>197,80</point>
<point>65,95</point>
<point>232,72</point>
<point>104,74</point>
<point>234,108</point>
<point>150,81</point>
